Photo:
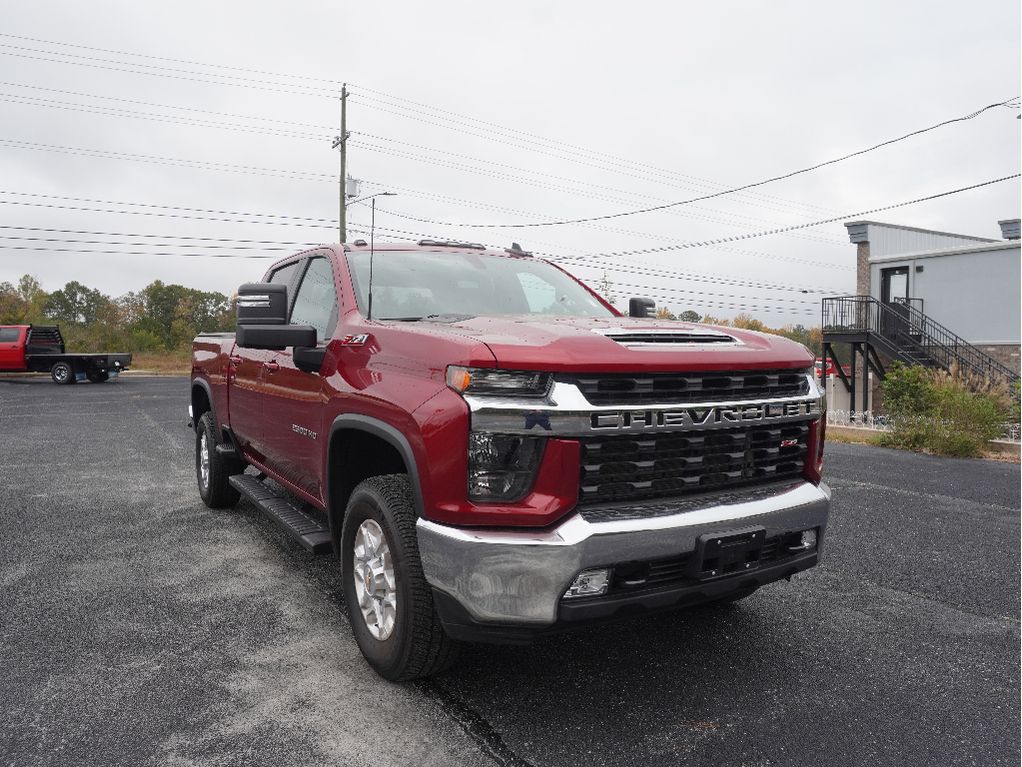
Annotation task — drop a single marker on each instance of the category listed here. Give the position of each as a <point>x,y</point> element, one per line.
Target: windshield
<point>413,285</point>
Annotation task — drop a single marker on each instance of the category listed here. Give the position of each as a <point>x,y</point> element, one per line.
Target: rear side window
<point>9,335</point>
<point>316,301</point>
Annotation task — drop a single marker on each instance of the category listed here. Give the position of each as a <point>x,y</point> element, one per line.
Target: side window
<point>285,274</point>
<point>9,335</point>
<point>316,300</point>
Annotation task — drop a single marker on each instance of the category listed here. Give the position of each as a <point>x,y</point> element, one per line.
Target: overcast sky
<point>499,113</point>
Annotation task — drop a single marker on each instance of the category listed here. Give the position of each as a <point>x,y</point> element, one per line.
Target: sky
<point>191,142</point>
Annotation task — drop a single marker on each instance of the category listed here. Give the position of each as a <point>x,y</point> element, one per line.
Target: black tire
<point>417,645</point>
<point>97,376</point>
<point>214,488</point>
<point>62,373</point>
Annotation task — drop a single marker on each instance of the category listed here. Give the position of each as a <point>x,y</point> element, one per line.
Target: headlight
<point>523,383</point>
<point>501,467</point>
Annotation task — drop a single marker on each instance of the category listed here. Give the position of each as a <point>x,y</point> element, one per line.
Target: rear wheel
<point>62,373</point>
<point>212,470</point>
<point>390,603</point>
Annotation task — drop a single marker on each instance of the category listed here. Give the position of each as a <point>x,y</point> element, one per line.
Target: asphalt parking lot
<point>137,627</point>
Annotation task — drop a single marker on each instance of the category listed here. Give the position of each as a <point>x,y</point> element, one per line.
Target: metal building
<point>930,298</point>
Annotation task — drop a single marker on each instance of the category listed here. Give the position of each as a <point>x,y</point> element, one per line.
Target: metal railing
<point>916,336</point>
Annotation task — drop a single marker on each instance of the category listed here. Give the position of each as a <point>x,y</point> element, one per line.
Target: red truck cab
<point>495,453</point>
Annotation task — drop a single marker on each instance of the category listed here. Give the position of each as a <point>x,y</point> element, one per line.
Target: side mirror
<point>262,303</point>
<point>309,359</point>
<point>276,337</point>
<point>641,307</point>
<point>262,319</point>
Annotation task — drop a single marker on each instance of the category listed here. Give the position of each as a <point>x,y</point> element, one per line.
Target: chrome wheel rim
<point>61,374</point>
<point>203,460</point>
<point>375,585</point>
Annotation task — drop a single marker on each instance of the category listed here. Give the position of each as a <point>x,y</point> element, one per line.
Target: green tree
<point>76,304</point>
<point>689,316</point>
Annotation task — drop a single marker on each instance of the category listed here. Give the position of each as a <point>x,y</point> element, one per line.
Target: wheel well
<point>200,404</point>
<point>356,455</point>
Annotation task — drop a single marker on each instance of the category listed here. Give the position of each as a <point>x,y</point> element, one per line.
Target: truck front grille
<point>632,467</point>
<point>674,388</point>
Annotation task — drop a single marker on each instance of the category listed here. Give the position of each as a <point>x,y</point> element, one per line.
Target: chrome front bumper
<point>519,577</point>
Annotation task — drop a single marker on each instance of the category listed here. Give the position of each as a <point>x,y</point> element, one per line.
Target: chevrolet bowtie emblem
<point>537,418</point>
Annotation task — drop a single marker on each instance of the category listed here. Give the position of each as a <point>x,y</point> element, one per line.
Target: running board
<point>302,526</point>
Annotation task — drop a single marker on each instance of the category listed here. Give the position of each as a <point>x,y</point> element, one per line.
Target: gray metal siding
<point>976,295</point>
<point>885,241</point>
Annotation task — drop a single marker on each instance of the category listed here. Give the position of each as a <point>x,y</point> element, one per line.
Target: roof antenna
<point>372,245</point>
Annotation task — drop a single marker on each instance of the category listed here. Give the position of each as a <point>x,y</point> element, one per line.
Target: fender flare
<point>203,384</point>
<point>388,434</point>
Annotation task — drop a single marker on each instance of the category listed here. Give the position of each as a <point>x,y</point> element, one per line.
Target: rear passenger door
<point>293,400</point>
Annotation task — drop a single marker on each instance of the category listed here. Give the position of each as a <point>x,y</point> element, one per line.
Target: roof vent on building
<point>1009,228</point>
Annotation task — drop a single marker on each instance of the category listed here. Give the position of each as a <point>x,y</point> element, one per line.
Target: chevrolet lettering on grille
<point>697,417</point>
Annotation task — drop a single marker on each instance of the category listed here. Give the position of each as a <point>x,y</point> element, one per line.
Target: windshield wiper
<point>442,317</point>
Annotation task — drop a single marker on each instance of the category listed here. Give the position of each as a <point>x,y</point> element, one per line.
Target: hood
<point>622,344</point>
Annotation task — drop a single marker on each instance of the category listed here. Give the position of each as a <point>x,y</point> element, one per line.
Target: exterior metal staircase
<point>902,332</point>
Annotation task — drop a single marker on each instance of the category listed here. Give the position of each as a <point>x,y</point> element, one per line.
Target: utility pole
<point>342,142</point>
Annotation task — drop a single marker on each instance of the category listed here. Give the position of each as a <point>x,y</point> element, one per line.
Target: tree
<point>664,313</point>
<point>689,316</point>
<point>747,322</point>
<point>606,289</point>
<point>709,319</point>
<point>75,304</point>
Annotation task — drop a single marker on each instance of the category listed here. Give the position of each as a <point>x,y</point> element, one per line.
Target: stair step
<point>301,525</point>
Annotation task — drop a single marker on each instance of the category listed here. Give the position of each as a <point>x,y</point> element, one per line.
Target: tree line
<point>157,318</point>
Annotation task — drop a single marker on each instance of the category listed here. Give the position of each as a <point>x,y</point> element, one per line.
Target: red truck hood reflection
<point>582,344</point>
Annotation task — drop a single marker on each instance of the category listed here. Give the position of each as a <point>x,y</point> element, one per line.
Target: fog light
<point>806,541</point>
<point>589,583</point>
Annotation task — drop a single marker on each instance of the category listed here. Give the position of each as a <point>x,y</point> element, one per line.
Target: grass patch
<point>162,363</point>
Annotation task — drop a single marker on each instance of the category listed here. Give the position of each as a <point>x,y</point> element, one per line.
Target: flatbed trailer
<point>40,349</point>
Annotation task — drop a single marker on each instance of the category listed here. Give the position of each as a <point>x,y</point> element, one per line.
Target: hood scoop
<point>666,337</point>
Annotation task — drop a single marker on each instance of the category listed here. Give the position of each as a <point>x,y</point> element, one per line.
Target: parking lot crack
<point>473,724</point>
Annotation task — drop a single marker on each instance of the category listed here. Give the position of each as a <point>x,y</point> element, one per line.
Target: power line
<point>159,74</point>
<point>154,69</point>
<point>165,58</point>
<point>99,109</point>
<point>232,115</point>
<point>663,179</point>
<point>796,226</point>
<point>733,190</point>
<point>718,217</point>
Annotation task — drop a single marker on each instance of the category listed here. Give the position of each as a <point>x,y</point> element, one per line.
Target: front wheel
<point>212,470</point>
<point>390,603</point>
<point>62,373</point>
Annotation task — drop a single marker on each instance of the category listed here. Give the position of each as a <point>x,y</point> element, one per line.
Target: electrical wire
<point>733,190</point>
<point>752,235</point>
<point>99,109</point>
<point>232,115</point>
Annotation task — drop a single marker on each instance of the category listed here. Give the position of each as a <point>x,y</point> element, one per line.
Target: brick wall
<point>862,269</point>
<point>1006,354</point>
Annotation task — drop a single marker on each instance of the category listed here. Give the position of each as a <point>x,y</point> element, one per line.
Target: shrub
<point>944,413</point>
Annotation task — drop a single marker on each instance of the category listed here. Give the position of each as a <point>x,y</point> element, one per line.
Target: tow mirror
<point>641,307</point>
<point>262,303</point>
<point>262,319</point>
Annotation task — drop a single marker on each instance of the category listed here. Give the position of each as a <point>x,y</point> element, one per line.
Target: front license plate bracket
<point>719,555</point>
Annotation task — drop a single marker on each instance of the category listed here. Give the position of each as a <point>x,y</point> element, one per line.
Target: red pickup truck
<point>40,349</point>
<point>495,453</point>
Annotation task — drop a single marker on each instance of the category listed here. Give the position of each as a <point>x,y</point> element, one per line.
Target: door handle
<point>271,366</point>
